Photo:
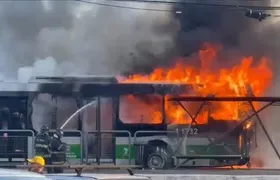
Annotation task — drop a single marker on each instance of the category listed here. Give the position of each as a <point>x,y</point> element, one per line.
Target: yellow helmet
<point>37,159</point>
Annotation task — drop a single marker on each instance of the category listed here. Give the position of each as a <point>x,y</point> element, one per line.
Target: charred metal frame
<point>54,114</point>
<point>98,128</point>
<point>79,105</point>
<point>30,100</point>
<point>270,101</point>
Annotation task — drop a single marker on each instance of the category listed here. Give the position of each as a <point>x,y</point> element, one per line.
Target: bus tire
<point>159,159</point>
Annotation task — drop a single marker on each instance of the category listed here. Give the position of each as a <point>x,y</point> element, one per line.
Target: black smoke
<point>238,34</point>
<point>106,40</point>
<point>217,25</point>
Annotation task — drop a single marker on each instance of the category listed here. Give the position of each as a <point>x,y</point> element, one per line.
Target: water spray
<point>77,112</point>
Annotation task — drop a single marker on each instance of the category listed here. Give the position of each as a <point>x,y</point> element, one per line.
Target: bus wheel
<point>159,159</point>
<point>156,161</point>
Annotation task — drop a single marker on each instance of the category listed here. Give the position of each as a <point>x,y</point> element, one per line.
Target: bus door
<point>99,116</point>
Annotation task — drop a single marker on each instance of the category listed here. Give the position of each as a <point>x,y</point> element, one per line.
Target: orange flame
<point>232,81</point>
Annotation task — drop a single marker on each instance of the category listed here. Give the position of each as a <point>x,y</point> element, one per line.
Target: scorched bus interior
<point>132,107</point>
<point>13,116</point>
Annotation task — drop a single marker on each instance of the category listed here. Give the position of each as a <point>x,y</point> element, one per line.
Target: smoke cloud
<point>64,37</point>
<point>81,38</point>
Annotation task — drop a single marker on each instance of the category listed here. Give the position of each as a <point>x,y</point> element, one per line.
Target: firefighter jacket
<point>58,149</point>
<point>42,145</point>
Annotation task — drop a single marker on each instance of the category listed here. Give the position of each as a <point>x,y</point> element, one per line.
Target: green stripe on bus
<point>122,151</point>
<point>74,151</point>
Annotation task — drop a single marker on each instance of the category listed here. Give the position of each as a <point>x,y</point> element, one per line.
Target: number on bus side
<point>125,152</point>
<point>193,131</point>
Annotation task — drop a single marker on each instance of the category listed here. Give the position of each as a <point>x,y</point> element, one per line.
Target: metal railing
<point>105,139</point>
<point>14,138</point>
<point>13,143</point>
<point>20,144</point>
<point>16,144</point>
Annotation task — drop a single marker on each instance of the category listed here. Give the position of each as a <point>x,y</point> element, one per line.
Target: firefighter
<point>42,145</point>
<point>37,164</point>
<point>58,149</point>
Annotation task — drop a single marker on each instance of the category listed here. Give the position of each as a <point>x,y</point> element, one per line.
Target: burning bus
<point>184,137</point>
<point>135,116</point>
<point>132,121</point>
<point>207,120</point>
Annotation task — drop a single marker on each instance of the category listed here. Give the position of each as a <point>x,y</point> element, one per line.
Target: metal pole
<point>255,134</point>
<point>29,123</point>
<point>265,131</point>
<point>98,127</point>
<point>163,110</point>
<point>54,116</point>
<point>115,112</point>
<point>80,125</point>
<point>129,147</point>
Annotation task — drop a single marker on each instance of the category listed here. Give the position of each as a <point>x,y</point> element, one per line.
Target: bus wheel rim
<point>156,161</point>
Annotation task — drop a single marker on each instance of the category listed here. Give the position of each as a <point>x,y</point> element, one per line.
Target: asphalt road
<point>194,171</point>
<point>212,171</point>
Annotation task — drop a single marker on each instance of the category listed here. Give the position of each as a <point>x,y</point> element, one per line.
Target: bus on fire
<point>157,127</point>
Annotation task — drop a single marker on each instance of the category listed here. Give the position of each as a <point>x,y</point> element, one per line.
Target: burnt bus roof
<point>87,87</point>
<point>76,79</point>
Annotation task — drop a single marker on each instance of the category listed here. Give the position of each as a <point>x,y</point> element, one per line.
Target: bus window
<point>66,106</point>
<point>175,114</point>
<point>54,111</point>
<point>146,109</point>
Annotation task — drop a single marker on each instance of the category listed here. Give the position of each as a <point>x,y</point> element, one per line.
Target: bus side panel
<point>123,150</point>
<point>74,149</point>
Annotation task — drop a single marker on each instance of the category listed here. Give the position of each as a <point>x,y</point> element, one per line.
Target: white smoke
<point>264,153</point>
<point>44,106</point>
<point>41,67</point>
<point>82,38</point>
<point>56,38</point>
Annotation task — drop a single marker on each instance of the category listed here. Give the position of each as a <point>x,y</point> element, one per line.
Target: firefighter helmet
<point>45,129</point>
